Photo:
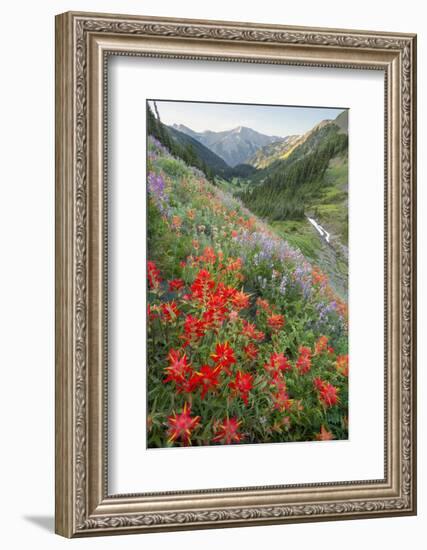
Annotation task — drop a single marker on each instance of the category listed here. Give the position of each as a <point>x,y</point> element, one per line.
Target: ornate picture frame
<point>84,43</point>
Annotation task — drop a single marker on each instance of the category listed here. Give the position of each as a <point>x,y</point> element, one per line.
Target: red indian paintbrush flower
<point>209,256</point>
<point>276,321</point>
<point>318,383</point>
<point>170,311</point>
<point>181,425</point>
<point>234,264</point>
<point>321,344</point>
<point>213,318</point>
<point>242,385</point>
<point>151,312</point>
<point>153,275</point>
<point>342,364</point>
<point>318,278</point>
<point>249,330</point>
<point>206,378</point>
<point>328,394</point>
<point>263,304</point>
<point>281,401</point>
<point>216,309</point>
<point>224,356</point>
<point>251,351</point>
<point>278,381</point>
<point>226,293</point>
<point>202,285</point>
<point>176,222</point>
<point>176,284</point>
<point>227,432</point>
<point>240,300</point>
<point>278,362</point>
<point>324,435</point>
<point>220,259</point>
<point>280,397</point>
<point>178,368</point>
<point>194,329</point>
<point>303,363</point>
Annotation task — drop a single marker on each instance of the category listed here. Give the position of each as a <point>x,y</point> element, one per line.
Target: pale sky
<point>270,120</point>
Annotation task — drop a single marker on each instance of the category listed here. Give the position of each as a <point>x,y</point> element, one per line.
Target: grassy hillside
<point>332,258</point>
<point>311,182</point>
<point>288,187</point>
<point>247,341</point>
<point>303,176</point>
<point>330,206</point>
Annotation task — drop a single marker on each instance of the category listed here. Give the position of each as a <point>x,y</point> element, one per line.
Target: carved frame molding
<point>83,43</point>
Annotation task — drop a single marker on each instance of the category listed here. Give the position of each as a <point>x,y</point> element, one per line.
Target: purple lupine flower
<point>328,319</point>
<point>159,148</point>
<point>156,189</point>
<point>156,184</point>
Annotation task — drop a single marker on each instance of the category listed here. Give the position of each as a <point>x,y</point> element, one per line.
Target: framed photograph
<point>235,274</point>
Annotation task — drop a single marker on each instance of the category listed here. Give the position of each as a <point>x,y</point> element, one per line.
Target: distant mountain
<point>185,130</point>
<point>235,146</point>
<point>216,164</point>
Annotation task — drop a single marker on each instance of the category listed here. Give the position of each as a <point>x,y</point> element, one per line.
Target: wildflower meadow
<point>247,341</point>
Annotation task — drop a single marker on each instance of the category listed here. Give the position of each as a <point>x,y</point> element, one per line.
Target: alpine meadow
<point>247,274</point>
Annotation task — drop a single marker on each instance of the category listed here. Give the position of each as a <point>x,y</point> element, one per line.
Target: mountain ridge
<point>234,146</point>
<point>287,185</point>
<point>281,150</point>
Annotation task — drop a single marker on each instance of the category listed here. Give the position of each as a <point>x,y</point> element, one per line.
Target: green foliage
<point>243,171</point>
<point>300,235</point>
<point>186,150</point>
<point>287,186</point>
<point>197,230</point>
<point>164,248</point>
<point>173,167</point>
<point>330,207</point>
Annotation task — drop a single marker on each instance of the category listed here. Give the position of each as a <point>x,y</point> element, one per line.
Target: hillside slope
<point>241,327</point>
<point>311,183</point>
<point>215,163</point>
<point>287,187</point>
<point>274,151</point>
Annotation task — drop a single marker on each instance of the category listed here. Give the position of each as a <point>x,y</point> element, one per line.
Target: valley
<point>298,184</point>
<point>247,340</point>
